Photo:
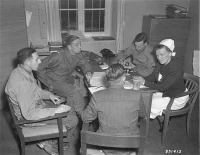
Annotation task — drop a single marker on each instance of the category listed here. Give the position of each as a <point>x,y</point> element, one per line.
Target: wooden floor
<point>176,139</point>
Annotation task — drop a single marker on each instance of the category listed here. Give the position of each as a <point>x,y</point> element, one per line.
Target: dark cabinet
<point>159,29</point>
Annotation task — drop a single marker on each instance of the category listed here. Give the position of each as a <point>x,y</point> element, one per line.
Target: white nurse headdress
<point>170,44</point>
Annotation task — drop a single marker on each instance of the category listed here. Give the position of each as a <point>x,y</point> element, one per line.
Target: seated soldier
<point>116,108</point>
<point>27,97</point>
<point>141,54</point>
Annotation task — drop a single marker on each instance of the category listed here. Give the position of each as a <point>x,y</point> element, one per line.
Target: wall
<point>136,9</point>
<point>194,38</point>
<point>13,37</point>
<point>34,27</point>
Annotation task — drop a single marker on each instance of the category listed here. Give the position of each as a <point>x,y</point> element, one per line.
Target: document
<point>91,151</point>
<point>98,79</point>
<point>128,85</point>
<point>95,89</point>
<point>104,66</point>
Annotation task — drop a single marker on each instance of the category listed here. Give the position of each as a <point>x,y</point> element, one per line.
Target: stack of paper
<point>91,151</point>
<point>128,85</point>
<point>98,79</point>
<point>95,89</point>
<point>104,66</point>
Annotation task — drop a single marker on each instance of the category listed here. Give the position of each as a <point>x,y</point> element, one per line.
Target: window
<point>92,17</point>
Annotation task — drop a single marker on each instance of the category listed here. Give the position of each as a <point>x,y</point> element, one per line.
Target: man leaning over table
<point>141,54</point>
<point>57,71</point>
<point>116,108</point>
<point>27,97</point>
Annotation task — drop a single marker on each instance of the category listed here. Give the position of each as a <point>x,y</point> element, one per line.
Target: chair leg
<point>83,149</point>
<point>166,122</point>
<point>60,128</point>
<point>142,146</point>
<point>22,144</point>
<point>188,124</point>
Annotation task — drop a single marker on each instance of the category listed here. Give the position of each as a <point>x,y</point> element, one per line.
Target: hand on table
<point>55,99</point>
<point>62,108</point>
<point>138,79</point>
<point>122,62</point>
<point>89,76</point>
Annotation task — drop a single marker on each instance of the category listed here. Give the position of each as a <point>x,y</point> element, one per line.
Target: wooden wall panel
<point>10,37</point>
<point>13,37</point>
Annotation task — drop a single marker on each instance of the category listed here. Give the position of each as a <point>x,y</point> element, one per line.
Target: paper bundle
<point>98,79</point>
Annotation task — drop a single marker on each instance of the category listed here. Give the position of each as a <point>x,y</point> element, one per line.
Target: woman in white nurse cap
<point>164,51</point>
<point>167,79</point>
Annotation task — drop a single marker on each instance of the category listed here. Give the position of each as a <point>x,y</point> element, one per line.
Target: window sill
<point>103,38</point>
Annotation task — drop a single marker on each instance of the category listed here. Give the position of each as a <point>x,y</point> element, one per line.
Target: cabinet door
<point>170,28</point>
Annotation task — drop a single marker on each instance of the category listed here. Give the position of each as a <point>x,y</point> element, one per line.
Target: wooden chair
<point>104,140</point>
<point>36,133</point>
<point>193,91</point>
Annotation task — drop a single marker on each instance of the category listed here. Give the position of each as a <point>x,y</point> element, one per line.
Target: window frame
<point>81,19</point>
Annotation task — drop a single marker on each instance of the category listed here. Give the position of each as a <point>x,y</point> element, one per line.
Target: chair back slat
<point>18,128</point>
<point>112,141</point>
<point>191,85</point>
<point>12,110</point>
<point>106,140</point>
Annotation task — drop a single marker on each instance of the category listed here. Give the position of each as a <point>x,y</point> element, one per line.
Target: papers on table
<point>128,85</point>
<point>98,79</point>
<point>98,82</point>
<point>95,89</point>
<point>104,66</point>
<point>141,86</point>
<point>91,151</point>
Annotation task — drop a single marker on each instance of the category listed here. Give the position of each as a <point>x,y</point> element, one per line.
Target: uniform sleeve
<point>27,96</point>
<point>45,94</point>
<point>170,80</point>
<point>90,55</point>
<point>152,76</point>
<point>122,55</point>
<point>89,113</point>
<point>150,58</point>
<point>84,64</point>
<point>48,62</point>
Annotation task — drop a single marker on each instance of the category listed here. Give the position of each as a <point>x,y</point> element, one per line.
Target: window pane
<point>73,18</point>
<point>96,3</point>
<point>88,3</point>
<point>69,20</point>
<point>102,3</point>
<point>72,4</point>
<point>64,4</point>
<point>68,4</point>
<point>102,19</point>
<point>88,21</point>
<point>94,20</point>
